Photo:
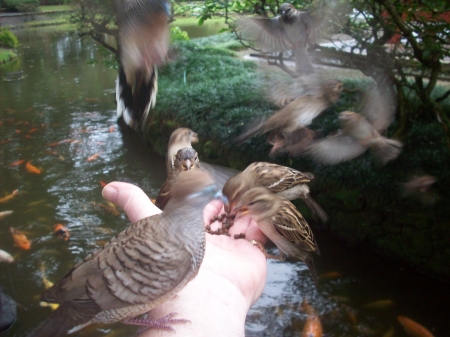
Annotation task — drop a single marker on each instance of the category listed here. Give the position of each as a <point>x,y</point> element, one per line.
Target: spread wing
<point>335,149</point>
<point>267,33</point>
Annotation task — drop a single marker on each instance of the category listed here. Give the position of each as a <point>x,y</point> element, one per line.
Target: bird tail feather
<point>316,209</point>
<point>312,269</point>
<point>253,131</point>
<point>386,149</point>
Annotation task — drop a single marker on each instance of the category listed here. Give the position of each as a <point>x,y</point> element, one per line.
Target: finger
<point>131,199</point>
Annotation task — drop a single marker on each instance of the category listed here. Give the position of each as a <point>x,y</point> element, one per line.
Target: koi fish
<point>33,130</point>
<point>64,141</point>
<point>103,184</point>
<point>20,239</point>
<point>110,207</point>
<point>9,197</point>
<point>313,327</point>
<point>412,328</point>
<point>17,163</point>
<point>61,232</point>
<point>52,306</point>
<point>330,275</point>
<point>93,157</point>
<point>28,137</point>
<point>31,168</point>
<point>5,141</point>
<point>5,257</point>
<point>381,304</point>
<point>112,128</point>
<point>4,214</point>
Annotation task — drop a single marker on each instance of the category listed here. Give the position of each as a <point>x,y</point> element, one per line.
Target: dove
<point>299,113</point>
<point>291,30</point>
<point>143,43</point>
<point>282,223</point>
<point>281,180</point>
<point>180,138</point>
<point>141,268</point>
<point>186,159</point>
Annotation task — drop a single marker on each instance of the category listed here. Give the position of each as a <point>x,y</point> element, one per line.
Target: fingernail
<point>110,193</point>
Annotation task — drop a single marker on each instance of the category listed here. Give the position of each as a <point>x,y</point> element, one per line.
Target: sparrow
<point>8,311</point>
<point>281,180</point>
<point>282,223</point>
<point>420,187</point>
<point>360,132</point>
<point>291,30</point>
<point>186,159</point>
<point>141,268</point>
<point>180,138</point>
<point>143,43</point>
<point>297,114</point>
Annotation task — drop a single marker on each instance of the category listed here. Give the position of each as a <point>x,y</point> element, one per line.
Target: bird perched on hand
<point>291,30</point>
<point>186,159</point>
<point>280,180</point>
<point>138,270</point>
<point>179,139</point>
<point>282,223</point>
<point>299,113</point>
<point>143,44</point>
<point>359,132</point>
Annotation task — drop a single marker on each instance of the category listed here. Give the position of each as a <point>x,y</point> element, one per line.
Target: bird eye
<point>252,203</point>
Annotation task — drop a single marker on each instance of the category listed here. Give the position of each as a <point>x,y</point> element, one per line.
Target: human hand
<point>231,277</point>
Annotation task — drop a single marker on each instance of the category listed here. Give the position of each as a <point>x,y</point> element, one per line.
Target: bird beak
<point>187,165</point>
<point>221,197</point>
<point>194,138</point>
<point>243,210</point>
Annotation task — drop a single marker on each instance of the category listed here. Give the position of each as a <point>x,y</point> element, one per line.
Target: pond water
<point>62,114</point>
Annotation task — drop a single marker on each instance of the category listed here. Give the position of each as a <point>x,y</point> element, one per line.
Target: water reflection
<point>69,105</point>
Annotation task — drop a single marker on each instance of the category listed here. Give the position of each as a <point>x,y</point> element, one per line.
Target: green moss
<point>6,55</point>
<point>8,39</point>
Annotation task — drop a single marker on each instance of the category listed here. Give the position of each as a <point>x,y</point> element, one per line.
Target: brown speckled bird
<point>139,269</point>
<point>297,114</point>
<point>291,30</point>
<point>281,180</point>
<point>282,223</point>
<point>179,139</point>
<point>360,132</point>
<point>186,159</point>
<point>143,43</point>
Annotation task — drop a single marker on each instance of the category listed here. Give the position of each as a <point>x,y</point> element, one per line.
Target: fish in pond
<point>20,239</point>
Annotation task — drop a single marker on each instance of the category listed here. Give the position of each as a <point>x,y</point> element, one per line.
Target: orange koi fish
<point>61,142</point>
<point>330,275</point>
<point>28,137</point>
<point>112,128</point>
<point>17,131</point>
<point>412,328</point>
<point>61,232</point>
<point>17,163</point>
<point>32,169</point>
<point>93,157</point>
<point>6,141</point>
<point>33,130</point>
<point>20,239</point>
<point>313,327</point>
<point>103,184</point>
<point>9,197</point>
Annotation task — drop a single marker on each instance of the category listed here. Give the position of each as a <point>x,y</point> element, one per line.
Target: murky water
<point>62,114</point>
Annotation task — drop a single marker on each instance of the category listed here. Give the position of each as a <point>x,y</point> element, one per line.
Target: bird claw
<point>263,250</point>
<point>162,323</point>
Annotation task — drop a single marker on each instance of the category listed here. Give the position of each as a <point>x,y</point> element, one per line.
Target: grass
<point>52,9</point>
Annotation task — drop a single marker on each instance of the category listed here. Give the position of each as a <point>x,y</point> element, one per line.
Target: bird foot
<point>263,250</point>
<point>162,323</point>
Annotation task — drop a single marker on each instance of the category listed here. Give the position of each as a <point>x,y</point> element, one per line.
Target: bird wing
<point>276,178</point>
<point>335,149</point>
<point>378,107</point>
<point>141,264</point>
<point>323,20</point>
<point>290,224</point>
<point>219,173</point>
<point>164,193</point>
<point>267,33</point>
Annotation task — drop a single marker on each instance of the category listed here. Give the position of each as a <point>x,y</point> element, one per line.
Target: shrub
<point>21,5</point>
<point>176,34</point>
<point>8,39</point>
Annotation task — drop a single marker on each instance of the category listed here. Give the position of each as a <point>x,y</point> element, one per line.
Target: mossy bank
<point>205,87</point>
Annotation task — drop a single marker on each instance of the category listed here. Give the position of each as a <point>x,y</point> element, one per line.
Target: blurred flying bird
<point>179,139</point>
<point>297,114</point>
<point>282,223</point>
<point>8,311</point>
<point>186,159</point>
<point>281,180</point>
<point>291,30</point>
<point>138,270</point>
<point>143,44</point>
<point>420,187</point>
<point>359,132</point>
